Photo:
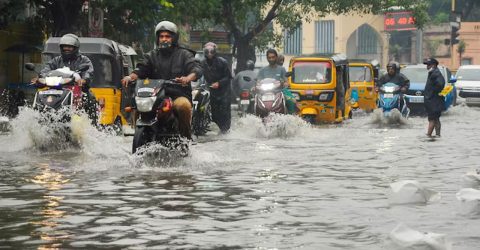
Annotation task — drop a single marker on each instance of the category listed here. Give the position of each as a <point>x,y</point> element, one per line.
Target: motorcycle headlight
<point>145,104</point>
<point>267,86</point>
<point>53,81</point>
<point>325,96</point>
<point>389,89</point>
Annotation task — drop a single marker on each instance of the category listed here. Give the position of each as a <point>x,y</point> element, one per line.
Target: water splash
<point>273,126</point>
<point>394,118</point>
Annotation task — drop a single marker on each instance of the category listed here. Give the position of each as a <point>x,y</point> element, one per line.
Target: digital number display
<point>399,21</point>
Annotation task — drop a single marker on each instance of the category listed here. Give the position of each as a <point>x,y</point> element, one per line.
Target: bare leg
<point>438,126</point>
<point>431,126</point>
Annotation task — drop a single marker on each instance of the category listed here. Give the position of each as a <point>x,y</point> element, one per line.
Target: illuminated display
<point>399,21</point>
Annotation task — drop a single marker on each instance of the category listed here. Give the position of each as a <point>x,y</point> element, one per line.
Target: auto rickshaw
<point>321,87</point>
<point>363,75</point>
<point>111,62</point>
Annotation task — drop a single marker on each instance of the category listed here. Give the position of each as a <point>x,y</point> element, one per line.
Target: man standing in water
<point>434,102</point>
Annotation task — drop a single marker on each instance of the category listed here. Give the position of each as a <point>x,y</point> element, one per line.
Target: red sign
<point>399,21</point>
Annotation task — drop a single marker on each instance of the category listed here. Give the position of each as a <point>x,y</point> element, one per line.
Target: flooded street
<point>287,186</point>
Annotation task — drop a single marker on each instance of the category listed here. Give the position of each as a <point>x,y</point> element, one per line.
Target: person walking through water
<point>434,102</point>
<point>218,77</point>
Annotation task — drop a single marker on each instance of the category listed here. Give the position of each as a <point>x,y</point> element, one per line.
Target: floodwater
<point>284,186</point>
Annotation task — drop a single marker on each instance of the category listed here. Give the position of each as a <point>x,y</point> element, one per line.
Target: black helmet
<point>166,26</point>
<point>394,65</point>
<point>69,40</point>
<point>250,65</point>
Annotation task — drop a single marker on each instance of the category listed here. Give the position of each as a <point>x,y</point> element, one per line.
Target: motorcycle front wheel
<point>140,138</point>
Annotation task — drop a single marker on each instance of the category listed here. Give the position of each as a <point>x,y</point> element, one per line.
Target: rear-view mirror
<point>453,79</point>
<point>288,74</point>
<point>30,66</point>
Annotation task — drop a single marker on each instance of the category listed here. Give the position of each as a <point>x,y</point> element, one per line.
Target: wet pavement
<point>286,185</point>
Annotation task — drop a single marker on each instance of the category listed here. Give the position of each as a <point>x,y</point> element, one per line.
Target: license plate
<point>309,92</point>
<point>387,95</point>
<point>51,92</point>
<point>415,99</point>
<point>244,101</point>
<point>268,98</point>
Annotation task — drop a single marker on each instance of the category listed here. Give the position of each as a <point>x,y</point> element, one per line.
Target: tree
<point>123,20</point>
<point>432,46</point>
<point>461,49</point>
<point>249,20</point>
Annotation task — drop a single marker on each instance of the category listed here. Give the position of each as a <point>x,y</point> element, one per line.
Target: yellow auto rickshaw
<point>321,87</point>
<point>111,62</point>
<point>362,76</point>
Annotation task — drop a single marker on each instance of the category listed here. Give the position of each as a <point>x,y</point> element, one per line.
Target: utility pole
<point>454,33</point>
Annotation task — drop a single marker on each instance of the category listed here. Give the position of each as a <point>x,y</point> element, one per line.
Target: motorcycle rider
<point>70,57</point>
<point>394,76</point>
<point>218,77</point>
<point>280,60</point>
<point>245,79</point>
<point>170,61</point>
<point>276,71</point>
<point>273,70</point>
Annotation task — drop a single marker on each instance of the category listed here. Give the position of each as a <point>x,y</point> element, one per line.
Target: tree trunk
<point>65,15</point>
<point>244,53</point>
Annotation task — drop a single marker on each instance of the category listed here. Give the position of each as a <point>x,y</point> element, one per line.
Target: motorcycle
<point>157,122</point>
<point>245,96</point>
<point>245,102</point>
<point>57,91</point>
<point>391,99</point>
<point>201,110</point>
<point>269,98</point>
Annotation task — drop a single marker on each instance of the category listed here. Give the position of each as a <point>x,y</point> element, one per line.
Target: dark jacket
<point>399,79</point>
<point>168,65</point>
<point>217,70</point>
<point>435,84</point>
<point>58,62</point>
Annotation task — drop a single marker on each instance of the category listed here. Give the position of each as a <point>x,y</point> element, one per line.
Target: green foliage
<point>432,46</point>
<point>461,47</point>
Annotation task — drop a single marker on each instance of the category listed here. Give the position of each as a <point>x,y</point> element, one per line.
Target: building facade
<point>360,37</point>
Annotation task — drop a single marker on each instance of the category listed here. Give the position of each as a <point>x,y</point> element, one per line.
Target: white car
<point>468,84</point>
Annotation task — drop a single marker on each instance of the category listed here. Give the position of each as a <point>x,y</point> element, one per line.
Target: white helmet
<point>70,40</point>
<point>166,26</point>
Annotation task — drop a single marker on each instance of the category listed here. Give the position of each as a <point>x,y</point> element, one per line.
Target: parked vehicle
<point>391,99</point>
<point>157,123</point>
<point>362,76</point>
<point>468,84</point>
<point>418,74</point>
<point>269,98</point>
<point>111,62</point>
<point>201,110</point>
<point>321,86</point>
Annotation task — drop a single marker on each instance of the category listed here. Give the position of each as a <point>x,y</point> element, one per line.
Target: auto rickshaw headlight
<point>325,96</point>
